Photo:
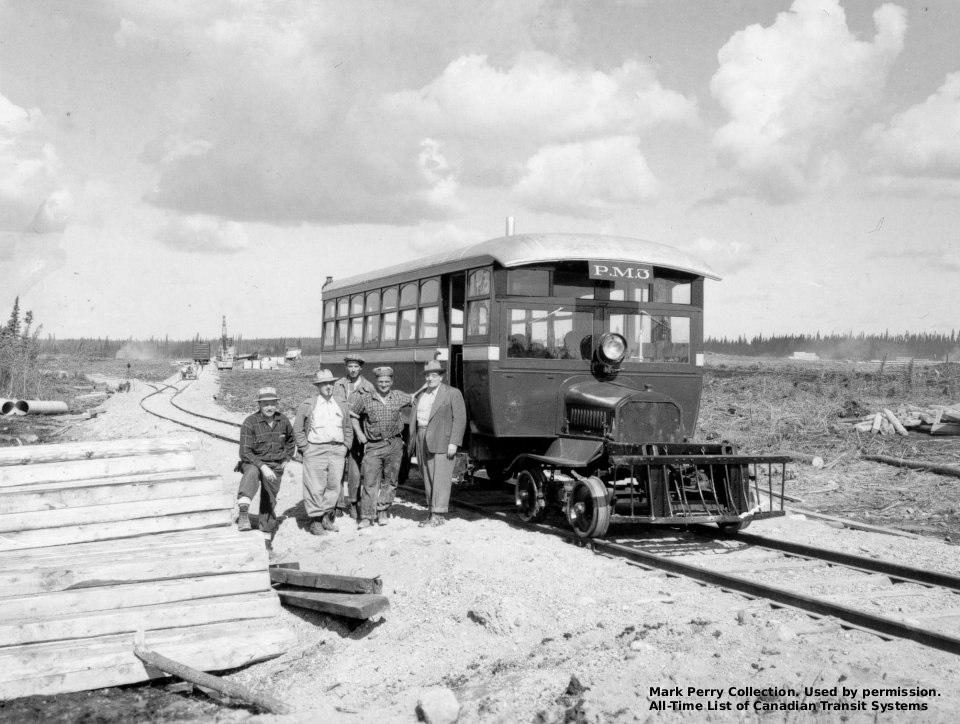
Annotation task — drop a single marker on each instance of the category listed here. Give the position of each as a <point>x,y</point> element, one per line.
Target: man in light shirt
<point>324,434</point>
<point>438,421</point>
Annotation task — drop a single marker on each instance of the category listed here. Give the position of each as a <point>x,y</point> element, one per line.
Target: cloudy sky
<point>165,162</point>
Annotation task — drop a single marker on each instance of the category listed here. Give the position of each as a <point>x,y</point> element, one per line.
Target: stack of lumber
<point>934,420</point>
<point>101,540</point>
<point>347,596</point>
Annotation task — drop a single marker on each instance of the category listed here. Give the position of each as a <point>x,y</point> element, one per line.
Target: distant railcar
<point>580,360</point>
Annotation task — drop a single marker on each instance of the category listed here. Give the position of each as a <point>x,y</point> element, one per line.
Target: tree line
<point>166,348</point>
<point>19,356</point>
<point>933,346</point>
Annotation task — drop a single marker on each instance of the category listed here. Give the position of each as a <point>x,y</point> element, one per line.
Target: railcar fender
<point>564,452</point>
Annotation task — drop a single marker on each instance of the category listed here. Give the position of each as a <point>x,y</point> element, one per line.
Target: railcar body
<point>580,360</point>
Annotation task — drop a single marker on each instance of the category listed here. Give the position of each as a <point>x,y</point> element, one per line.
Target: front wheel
<point>587,509</point>
<point>529,495</point>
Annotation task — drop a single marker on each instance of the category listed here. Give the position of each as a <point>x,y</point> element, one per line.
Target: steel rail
<point>882,626</point>
<point>158,390</point>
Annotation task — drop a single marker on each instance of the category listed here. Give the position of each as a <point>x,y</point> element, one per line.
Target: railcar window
<point>373,302</point>
<point>389,327</point>
<point>356,304</point>
<point>408,325</point>
<point>529,282</point>
<point>478,318</point>
<point>408,295</point>
<point>479,285</point>
<point>429,291</point>
<point>342,333</point>
<point>389,299</point>
<point>550,333</point>
<point>372,332</point>
<point>672,291</point>
<point>329,310</point>
<point>356,331</point>
<point>342,306</point>
<point>328,334</point>
<point>429,323</point>
<point>653,338</point>
<point>568,283</point>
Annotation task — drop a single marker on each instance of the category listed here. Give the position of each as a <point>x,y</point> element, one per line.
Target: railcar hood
<point>621,413</point>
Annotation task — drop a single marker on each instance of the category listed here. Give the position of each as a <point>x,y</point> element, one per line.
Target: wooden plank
<point>945,428</point>
<point>67,451</point>
<point>134,491</point>
<point>128,595</point>
<point>115,480</point>
<point>326,581</point>
<point>246,556</point>
<point>137,546</point>
<point>112,512</point>
<point>97,468</point>
<point>349,605</point>
<point>115,529</point>
<point>81,665</point>
<point>106,622</point>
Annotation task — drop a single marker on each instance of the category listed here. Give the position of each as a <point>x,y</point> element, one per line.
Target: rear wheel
<point>529,495</point>
<point>587,509</point>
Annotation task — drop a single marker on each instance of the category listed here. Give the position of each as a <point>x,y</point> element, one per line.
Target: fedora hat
<point>434,366</point>
<point>323,377</point>
<point>267,393</point>
<point>354,358</point>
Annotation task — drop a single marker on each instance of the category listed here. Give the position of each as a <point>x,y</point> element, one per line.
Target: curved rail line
<point>205,430</point>
<point>754,565</point>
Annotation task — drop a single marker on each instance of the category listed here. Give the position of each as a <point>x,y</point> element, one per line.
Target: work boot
<point>243,519</point>
<point>383,517</point>
<point>364,523</point>
<point>316,528</point>
<point>436,519</point>
<point>328,524</point>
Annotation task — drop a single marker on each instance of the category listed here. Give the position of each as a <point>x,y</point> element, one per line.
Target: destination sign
<point>619,270</point>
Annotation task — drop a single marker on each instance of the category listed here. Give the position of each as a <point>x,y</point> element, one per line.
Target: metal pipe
<point>6,406</point>
<point>42,407</point>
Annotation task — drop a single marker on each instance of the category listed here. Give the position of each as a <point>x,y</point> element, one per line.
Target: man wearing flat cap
<point>378,421</point>
<point>346,389</point>
<point>324,433</point>
<point>438,421</point>
<point>267,444</point>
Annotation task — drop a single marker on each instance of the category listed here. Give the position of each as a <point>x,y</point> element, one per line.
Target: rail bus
<point>580,359</point>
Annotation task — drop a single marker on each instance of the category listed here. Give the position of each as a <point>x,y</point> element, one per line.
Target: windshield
<point>652,338</point>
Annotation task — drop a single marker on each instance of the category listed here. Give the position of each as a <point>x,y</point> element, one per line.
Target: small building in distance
<point>806,356</point>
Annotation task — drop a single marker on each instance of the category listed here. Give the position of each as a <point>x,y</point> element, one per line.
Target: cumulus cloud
<point>201,234</point>
<point>792,89</point>
<point>29,165</point>
<point>924,140</point>
<point>586,178</point>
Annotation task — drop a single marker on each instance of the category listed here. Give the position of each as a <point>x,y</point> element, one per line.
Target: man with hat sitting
<point>324,434</point>
<point>267,444</point>
<point>438,421</point>
<point>346,389</point>
<point>378,423</point>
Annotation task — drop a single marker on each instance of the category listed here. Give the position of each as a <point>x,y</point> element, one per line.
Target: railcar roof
<point>522,249</point>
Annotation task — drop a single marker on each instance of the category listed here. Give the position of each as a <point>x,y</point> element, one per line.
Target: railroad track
<point>884,598</point>
<point>162,403</point>
<point>880,597</point>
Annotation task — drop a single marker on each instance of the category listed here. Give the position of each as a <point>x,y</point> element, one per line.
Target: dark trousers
<point>250,482</point>
<point>381,465</point>
<point>351,477</point>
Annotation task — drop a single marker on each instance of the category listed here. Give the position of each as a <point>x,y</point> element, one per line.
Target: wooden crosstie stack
<point>100,540</point>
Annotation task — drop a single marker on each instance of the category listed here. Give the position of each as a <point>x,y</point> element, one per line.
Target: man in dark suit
<point>437,423</point>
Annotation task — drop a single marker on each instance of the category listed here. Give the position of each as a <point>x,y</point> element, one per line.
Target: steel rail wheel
<point>587,509</point>
<point>529,495</point>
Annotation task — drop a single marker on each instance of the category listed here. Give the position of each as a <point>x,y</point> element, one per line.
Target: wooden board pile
<point>933,420</point>
<point>101,540</point>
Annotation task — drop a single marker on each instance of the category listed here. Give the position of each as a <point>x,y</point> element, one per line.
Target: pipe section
<point>6,406</point>
<point>41,407</point>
